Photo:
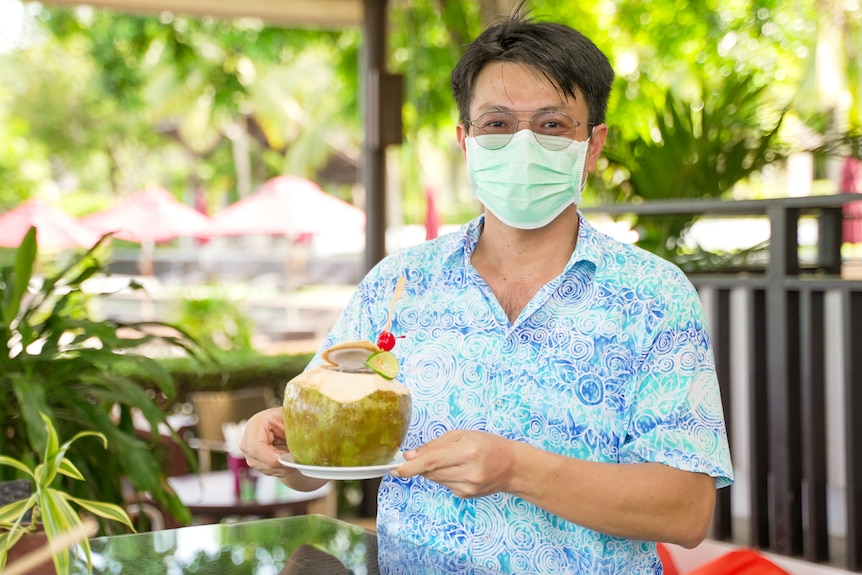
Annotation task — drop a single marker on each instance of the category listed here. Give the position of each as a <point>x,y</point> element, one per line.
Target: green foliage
<point>51,506</point>
<point>695,150</point>
<point>22,163</point>
<point>215,321</point>
<point>58,362</point>
<point>426,40</point>
<point>426,44</point>
<point>230,371</point>
<point>676,46</point>
<point>87,133</point>
<point>118,100</point>
<point>754,258</point>
<point>208,84</point>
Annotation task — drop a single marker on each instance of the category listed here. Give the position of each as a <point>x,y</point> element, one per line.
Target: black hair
<point>566,57</point>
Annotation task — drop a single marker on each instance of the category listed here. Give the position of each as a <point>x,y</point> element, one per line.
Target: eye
<point>496,123</point>
<point>555,124</point>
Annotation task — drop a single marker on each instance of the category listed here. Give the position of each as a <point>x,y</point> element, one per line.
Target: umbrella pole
<point>291,314</point>
<point>146,268</point>
<point>288,256</point>
<point>145,262</point>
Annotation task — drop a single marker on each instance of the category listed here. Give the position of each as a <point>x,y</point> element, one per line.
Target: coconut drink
<point>349,411</point>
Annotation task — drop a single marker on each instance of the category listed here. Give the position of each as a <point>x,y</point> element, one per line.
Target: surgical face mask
<point>524,184</point>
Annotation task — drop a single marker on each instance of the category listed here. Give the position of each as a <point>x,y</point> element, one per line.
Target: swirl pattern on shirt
<point>611,361</point>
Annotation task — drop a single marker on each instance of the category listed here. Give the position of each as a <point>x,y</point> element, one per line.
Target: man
<point>566,409</point>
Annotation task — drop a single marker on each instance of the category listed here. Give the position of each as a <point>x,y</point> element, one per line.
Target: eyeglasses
<point>553,130</point>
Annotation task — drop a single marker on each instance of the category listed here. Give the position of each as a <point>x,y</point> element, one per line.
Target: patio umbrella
<point>286,206</point>
<point>291,207</point>
<point>149,215</point>
<point>55,229</point>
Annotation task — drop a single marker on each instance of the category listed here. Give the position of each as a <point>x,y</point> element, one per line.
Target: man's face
<point>516,88</point>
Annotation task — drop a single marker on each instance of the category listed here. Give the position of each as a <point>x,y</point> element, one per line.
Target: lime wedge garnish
<point>383,363</point>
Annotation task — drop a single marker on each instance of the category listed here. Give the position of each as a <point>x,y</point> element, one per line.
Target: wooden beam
<point>374,149</point>
<point>300,13</point>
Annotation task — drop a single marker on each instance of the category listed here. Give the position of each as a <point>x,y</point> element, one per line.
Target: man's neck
<point>517,263</point>
<point>523,253</point>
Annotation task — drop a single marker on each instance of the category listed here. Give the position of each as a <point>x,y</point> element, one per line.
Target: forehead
<point>518,87</point>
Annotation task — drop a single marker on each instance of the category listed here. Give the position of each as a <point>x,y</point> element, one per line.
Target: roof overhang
<point>300,13</point>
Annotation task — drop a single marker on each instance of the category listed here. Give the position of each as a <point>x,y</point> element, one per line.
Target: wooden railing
<point>788,345</point>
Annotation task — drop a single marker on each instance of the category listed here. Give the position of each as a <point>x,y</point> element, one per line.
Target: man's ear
<point>461,132</point>
<point>597,143</point>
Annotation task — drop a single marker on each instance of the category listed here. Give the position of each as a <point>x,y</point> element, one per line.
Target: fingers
<point>440,454</point>
<point>469,463</point>
<point>263,442</point>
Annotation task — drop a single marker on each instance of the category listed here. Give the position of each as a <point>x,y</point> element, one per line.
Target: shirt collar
<point>468,238</point>
<point>587,249</point>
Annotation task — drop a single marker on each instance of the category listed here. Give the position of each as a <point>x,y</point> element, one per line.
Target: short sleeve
<point>675,413</point>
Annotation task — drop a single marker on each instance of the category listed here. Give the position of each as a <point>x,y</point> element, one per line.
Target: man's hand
<point>263,443</point>
<point>470,463</point>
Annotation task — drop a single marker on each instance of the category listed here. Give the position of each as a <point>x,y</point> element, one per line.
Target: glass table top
<point>311,544</point>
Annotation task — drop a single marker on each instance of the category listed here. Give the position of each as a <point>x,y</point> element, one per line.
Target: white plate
<point>317,472</point>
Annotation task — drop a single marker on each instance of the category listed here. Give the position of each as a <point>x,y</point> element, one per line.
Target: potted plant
<point>53,508</point>
<point>59,361</point>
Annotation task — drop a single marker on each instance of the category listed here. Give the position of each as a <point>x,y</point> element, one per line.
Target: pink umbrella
<point>150,215</point>
<point>288,206</point>
<point>55,229</point>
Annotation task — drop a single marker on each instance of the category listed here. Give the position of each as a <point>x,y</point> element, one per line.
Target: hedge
<point>227,372</point>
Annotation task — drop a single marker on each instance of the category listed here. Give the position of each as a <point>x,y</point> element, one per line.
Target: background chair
<point>214,408</point>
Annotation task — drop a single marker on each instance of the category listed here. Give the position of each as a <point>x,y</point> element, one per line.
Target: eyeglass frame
<point>518,121</point>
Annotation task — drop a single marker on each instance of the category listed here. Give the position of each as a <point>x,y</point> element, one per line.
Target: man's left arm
<point>646,501</point>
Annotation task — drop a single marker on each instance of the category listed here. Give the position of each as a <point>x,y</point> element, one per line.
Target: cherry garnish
<point>386,341</point>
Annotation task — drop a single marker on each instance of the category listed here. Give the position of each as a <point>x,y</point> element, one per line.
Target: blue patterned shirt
<point>610,361</point>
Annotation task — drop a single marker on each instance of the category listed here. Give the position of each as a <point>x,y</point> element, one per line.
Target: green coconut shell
<point>323,431</point>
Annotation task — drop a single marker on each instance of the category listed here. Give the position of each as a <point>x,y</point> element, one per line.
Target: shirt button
<point>499,403</point>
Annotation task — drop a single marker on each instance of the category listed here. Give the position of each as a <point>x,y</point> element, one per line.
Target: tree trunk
<point>238,135</point>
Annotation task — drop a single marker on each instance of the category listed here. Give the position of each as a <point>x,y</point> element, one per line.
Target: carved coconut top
<point>347,386</point>
<point>345,377</point>
<point>350,355</point>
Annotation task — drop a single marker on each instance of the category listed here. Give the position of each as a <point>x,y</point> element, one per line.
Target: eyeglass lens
<point>553,130</point>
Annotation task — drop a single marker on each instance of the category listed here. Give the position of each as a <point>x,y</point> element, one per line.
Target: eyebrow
<point>506,109</point>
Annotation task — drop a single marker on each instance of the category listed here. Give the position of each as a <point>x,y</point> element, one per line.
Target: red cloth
<point>851,183</point>
<point>432,218</point>
<point>741,562</point>
<point>667,560</point>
